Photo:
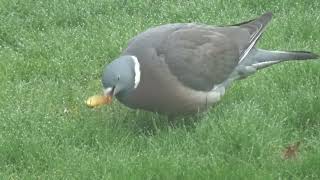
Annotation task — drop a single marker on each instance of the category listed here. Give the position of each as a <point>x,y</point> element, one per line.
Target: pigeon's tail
<point>263,58</point>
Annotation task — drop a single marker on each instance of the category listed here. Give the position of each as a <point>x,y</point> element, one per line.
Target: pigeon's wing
<point>255,27</point>
<point>203,56</point>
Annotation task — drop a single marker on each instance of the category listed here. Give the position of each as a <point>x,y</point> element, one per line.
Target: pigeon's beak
<point>98,100</point>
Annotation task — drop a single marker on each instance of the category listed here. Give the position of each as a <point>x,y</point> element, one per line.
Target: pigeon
<point>185,68</point>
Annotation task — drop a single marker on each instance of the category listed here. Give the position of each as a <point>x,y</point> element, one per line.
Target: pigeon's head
<point>121,75</point>
<point>119,78</point>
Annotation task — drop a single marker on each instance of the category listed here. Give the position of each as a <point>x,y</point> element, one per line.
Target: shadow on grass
<point>119,119</point>
<point>150,123</point>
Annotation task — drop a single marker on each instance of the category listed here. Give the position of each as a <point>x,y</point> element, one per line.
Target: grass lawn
<point>51,59</point>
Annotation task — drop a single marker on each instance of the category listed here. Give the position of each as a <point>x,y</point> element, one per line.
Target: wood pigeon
<point>185,68</point>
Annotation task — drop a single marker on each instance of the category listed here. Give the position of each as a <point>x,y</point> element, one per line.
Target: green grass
<point>51,58</point>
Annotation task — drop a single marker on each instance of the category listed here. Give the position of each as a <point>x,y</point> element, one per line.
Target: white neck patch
<point>137,71</point>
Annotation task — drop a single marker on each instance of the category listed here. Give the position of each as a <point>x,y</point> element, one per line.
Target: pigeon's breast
<point>160,91</point>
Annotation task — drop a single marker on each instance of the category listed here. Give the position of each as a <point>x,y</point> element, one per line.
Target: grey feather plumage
<point>186,68</point>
